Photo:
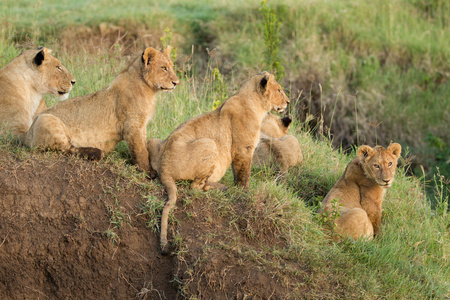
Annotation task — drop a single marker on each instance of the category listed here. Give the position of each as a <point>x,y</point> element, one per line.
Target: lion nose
<point>72,82</point>
<point>175,83</point>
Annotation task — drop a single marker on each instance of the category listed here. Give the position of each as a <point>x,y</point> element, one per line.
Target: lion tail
<point>171,188</point>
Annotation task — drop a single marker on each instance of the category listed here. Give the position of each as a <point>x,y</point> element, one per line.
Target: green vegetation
<point>272,41</point>
<point>388,60</point>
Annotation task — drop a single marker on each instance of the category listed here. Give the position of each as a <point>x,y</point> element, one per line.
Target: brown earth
<point>54,221</point>
<point>57,214</point>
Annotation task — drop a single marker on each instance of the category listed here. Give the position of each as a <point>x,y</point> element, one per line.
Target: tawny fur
<point>23,83</point>
<point>276,147</point>
<point>92,125</point>
<point>361,189</point>
<point>203,148</point>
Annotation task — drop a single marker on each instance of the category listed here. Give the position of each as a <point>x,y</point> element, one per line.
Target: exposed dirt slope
<point>74,229</point>
<point>57,216</point>
<point>54,221</point>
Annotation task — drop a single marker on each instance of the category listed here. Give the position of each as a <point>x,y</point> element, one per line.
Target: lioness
<point>361,189</point>
<point>23,83</point>
<point>276,146</point>
<point>93,124</point>
<point>202,149</point>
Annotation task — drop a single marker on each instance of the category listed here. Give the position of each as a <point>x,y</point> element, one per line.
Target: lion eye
<point>389,164</point>
<point>376,166</point>
<point>164,68</point>
<point>279,90</point>
<point>59,68</point>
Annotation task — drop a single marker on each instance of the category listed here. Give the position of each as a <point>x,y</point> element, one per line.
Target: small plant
<point>166,40</point>
<point>272,40</point>
<point>117,216</point>
<point>7,139</point>
<point>152,207</point>
<point>441,194</point>
<point>329,218</point>
<point>219,89</point>
<point>110,234</point>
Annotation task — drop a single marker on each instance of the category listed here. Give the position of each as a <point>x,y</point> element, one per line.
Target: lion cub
<point>361,189</point>
<point>276,146</point>
<point>23,83</point>
<point>202,149</point>
<point>93,124</point>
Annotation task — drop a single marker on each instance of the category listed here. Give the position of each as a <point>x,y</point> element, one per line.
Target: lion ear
<point>364,151</point>
<point>39,58</point>
<point>41,55</point>
<point>264,81</point>
<point>287,121</point>
<point>148,55</point>
<point>395,149</point>
<point>167,50</point>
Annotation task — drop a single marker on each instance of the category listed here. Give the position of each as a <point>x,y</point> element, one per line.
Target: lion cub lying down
<point>23,83</point>
<point>276,146</point>
<point>93,124</point>
<point>361,189</point>
<point>202,149</point>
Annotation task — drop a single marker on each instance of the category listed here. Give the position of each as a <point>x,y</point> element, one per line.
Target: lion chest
<point>34,103</point>
<point>372,198</point>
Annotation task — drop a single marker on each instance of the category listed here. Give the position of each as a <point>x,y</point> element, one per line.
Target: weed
<point>441,194</point>
<point>153,208</point>
<point>110,234</point>
<point>7,139</point>
<point>166,40</point>
<point>272,40</point>
<point>219,89</point>
<point>328,218</point>
<point>117,216</point>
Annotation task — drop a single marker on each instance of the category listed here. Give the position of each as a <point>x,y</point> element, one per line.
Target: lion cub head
<point>54,77</point>
<point>276,146</point>
<point>379,163</point>
<point>275,126</point>
<point>158,69</point>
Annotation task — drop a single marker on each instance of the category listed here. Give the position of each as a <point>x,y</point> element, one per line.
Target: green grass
<point>394,54</point>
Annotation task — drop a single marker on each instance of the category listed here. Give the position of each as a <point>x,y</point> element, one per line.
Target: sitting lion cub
<point>93,124</point>
<point>276,146</point>
<point>23,83</point>
<point>203,148</point>
<point>361,189</point>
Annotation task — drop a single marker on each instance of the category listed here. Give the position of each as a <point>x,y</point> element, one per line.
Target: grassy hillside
<point>374,72</point>
<point>386,61</point>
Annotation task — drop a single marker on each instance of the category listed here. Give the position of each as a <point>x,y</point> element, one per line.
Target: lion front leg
<point>241,167</point>
<point>375,218</point>
<point>135,139</point>
<point>372,206</point>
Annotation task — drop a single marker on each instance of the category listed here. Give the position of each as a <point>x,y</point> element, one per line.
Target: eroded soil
<point>74,229</point>
<point>54,222</point>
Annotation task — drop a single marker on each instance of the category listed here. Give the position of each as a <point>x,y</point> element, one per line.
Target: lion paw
<point>90,153</point>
